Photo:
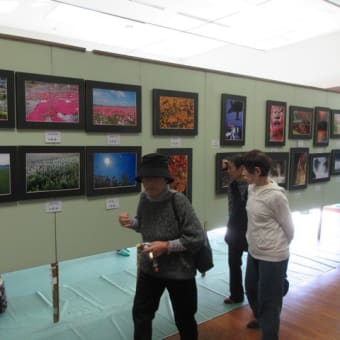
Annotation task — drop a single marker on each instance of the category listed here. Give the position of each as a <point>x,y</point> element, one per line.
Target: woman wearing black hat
<point>166,261</point>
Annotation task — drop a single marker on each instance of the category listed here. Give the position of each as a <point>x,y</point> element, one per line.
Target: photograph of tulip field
<point>51,102</point>
<point>114,107</point>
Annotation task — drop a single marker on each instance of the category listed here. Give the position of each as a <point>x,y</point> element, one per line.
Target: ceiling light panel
<point>137,11</point>
<point>96,27</point>
<point>7,6</point>
<point>182,46</point>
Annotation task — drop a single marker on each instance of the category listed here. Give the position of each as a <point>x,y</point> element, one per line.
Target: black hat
<point>154,165</point>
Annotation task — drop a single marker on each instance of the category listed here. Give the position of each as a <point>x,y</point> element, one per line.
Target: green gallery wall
<point>30,237</point>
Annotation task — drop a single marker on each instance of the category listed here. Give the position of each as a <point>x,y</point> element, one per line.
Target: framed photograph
<point>298,168</point>
<point>112,169</point>
<point>49,102</point>
<point>320,167</point>
<point>113,107</point>
<point>321,126</point>
<point>275,123</point>
<point>7,173</point>
<point>175,113</point>
<point>222,178</point>
<point>335,162</point>
<point>233,120</point>
<point>279,169</point>
<point>180,167</point>
<point>300,122</point>
<point>7,99</point>
<point>51,171</point>
<point>335,124</point>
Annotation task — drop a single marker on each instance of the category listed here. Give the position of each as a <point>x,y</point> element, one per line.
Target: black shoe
<point>230,301</point>
<point>253,324</point>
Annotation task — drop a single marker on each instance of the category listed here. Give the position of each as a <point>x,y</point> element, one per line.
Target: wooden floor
<point>311,312</point>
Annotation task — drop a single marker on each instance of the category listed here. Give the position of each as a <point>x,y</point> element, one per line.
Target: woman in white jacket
<point>270,231</point>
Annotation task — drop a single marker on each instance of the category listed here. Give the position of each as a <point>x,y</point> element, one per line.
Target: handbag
<point>203,258</point>
<point>3,299</point>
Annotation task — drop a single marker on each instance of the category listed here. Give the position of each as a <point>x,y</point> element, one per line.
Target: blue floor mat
<point>96,292</point>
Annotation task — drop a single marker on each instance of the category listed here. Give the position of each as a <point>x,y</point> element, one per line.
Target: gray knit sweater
<point>156,221</point>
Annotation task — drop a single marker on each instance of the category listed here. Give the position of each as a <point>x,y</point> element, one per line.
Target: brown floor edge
<point>310,312</point>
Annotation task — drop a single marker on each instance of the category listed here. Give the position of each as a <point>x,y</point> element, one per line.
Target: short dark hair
<point>257,158</point>
<point>237,160</point>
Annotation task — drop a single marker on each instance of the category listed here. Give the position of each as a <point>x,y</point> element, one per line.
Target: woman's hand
<point>125,220</point>
<point>157,248</point>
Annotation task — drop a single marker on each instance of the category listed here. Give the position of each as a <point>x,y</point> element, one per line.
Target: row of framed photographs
<point>319,123</point>
<point>52,102</point>
<point>292,170</point>
<point>30,172</point>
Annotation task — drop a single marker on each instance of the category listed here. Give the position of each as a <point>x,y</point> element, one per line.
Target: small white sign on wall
<point>175,141</point>
<point>112,203</point>
<point>300,144</point>
<point>215,143</point>
<point>113,139</point>
<point>52,137</point>
<point>53,207</point>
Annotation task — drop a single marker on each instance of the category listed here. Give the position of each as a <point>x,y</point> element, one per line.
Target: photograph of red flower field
<point>178,167</point>
<point>51,102</point>
<point>114,107</point>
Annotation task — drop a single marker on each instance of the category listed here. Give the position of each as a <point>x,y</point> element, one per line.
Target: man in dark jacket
<point>236,228</point>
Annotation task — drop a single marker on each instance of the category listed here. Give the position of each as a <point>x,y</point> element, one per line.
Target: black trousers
<point>235,273</point>
<point>265,286</point>
<point>183,296</point>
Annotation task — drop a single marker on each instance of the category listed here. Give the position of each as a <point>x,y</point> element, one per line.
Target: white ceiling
<point>294,41</point>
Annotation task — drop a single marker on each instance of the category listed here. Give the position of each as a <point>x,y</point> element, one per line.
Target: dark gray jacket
<point>156,221</point>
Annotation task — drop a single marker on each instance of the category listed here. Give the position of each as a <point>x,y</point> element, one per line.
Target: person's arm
<point>283,215</point>
<point>192,234</point>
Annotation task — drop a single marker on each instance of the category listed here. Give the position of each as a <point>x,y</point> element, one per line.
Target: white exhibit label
<point>113,139</point>
<point>300,144</point>
<point>53,206</point>
<point>175,141</point>
<point>215,143</point>
<point>112,203</point>
<point>52,137</point>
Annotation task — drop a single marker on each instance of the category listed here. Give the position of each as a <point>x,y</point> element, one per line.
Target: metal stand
<point>55,291</point>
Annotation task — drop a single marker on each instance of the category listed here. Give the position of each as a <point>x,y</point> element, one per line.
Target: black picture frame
<point>298,168</point>
<point>51,171</point>
<point>321,126</point>
<point>301,121</point>
<point>335,162</point>
<point>180,167</point>
<point>335,124</point>
<point>112,170</point>
<point>276,112</point>
<point>222,178</point>
<point>233,119</point>
<point>113,107</point>
<point>175,113</point>
<point>49,102</point>
<point>8,166</point>
<point>319,167</point>
<point>279,171</point>
<point>7,117</point>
